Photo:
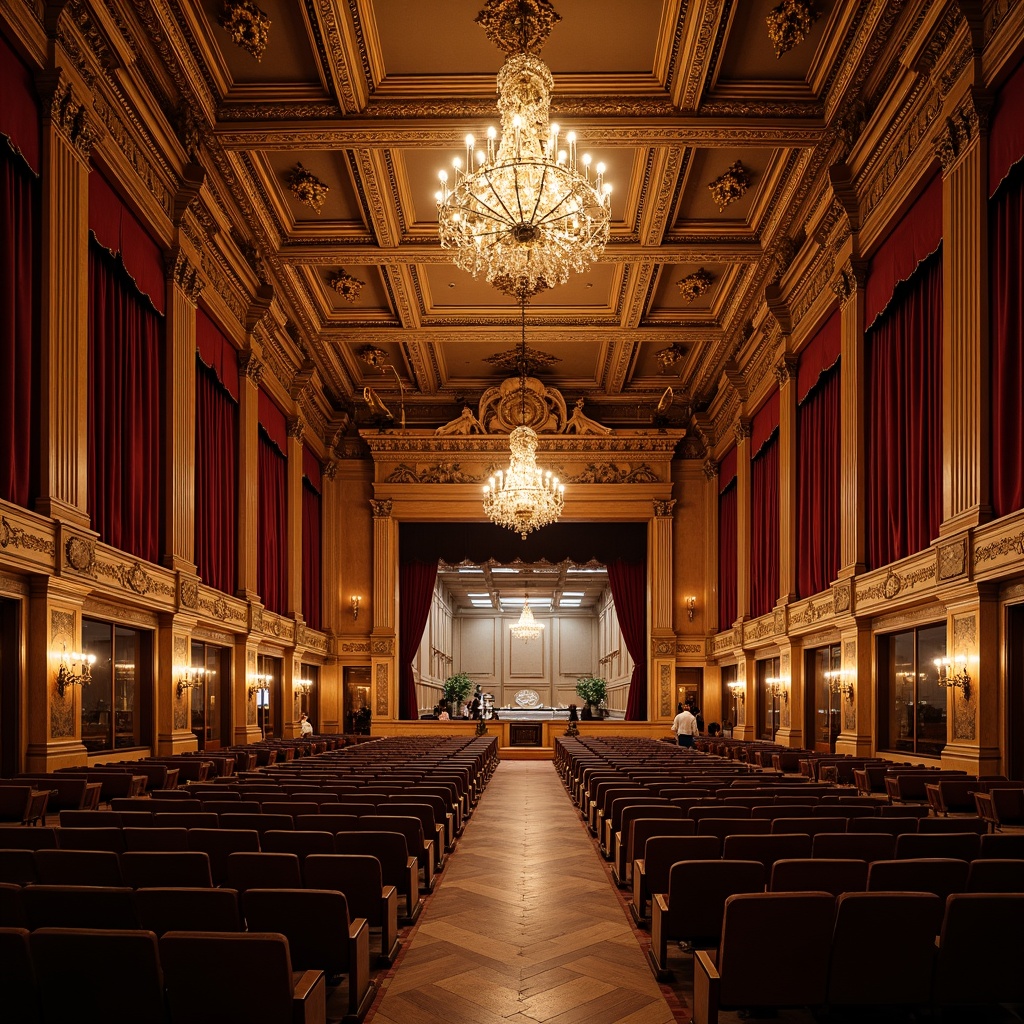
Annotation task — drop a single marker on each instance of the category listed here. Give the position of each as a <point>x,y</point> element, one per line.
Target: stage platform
<point>526,753</point>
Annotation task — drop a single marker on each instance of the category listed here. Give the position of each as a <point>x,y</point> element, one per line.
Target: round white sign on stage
<point>527,698</point>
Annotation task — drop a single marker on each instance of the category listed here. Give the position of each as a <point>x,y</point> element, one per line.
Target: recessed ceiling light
<point>573,593</point>
<point>488,596</point>
<point>572,602</point>
<point>501,569</point>
<point>481,604</point>
<point>472,570</point>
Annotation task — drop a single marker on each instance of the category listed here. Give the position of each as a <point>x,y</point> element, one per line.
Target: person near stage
<point>684,725</point>
<point>305,726</point>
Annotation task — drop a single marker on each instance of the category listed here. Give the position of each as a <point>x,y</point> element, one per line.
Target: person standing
<point>684,725</point>
<point>305,726</point>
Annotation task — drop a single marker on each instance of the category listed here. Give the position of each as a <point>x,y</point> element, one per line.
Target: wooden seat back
<point>77,867</point>
<point>264,871</point>
<point>219,843</point>
<point>767,849</point>
<point>941,876</point>
<point>865,846</point>
<point>819,874</point>
<point>990,874</point>
<point>167,909</point>
<point>79,906</point>
<point>957,845</point>
<point>164,868</point>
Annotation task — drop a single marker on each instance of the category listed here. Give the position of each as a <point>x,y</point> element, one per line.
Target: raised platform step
<point>526,753</point>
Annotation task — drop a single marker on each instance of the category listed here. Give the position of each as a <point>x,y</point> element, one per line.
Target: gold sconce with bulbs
<point>837,684</point>
<point>691,606</point>
<point>260,682</point>
<point>189,679</point>
<point>952,673</point>
<point>304,686</point>
<point>738,692</point>
<point>75,669</point>
<point>776,689</point>
<point>356,601</point>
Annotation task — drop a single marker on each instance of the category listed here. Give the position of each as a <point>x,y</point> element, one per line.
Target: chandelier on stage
<point>527,628</point>
<point>521,209</point>
<point>523,497</point>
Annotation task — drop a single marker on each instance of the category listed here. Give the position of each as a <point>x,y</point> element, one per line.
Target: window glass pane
<point>97,721</point>
<point>127,663</point>
<point>213,683</point>
<point>901,671</point>
<point>931,697</point>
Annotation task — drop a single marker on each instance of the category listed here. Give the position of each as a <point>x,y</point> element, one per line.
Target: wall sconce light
<point>356,600</point>
<point>260,682</point>
<point>75,669</point>
<point>738,692</point>
<point>189,679</point>
<point>953,673</point>
<point>304,686</point>
<point>836,684</point>
<point>691,607</point>
<point>776,688</point>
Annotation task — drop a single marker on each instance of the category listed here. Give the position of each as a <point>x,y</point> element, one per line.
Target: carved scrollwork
<point>953,559</point>
<point>786,368</point>
<point>742,428</point>
<point>382,507</point>
<point>841,594</point>
<point>710,468</point>
<point>188,592</point>
<point>296,428</point>
<point>184,273</point>
<point>15,537</point>
<point>663,509</point>
<point>80,554</point>
<point>251,366</point>
<point>383,646</point>
<point>381,688</point>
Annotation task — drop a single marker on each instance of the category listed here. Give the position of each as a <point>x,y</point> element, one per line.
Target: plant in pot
<point>592,690</point>
<point>456,689</point>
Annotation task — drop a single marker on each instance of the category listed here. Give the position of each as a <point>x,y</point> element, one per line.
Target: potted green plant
<point>456,689</point>
<point>592,690</point>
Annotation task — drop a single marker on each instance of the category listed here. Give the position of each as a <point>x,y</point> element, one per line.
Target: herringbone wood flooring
<point>525,926</point>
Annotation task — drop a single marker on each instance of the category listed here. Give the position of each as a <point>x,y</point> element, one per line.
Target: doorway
<point>357,700</point>
<point>10,689</point>
<point>770,694</point>
<point>268,696</point>
<point>689,687</point>
<point>210,710</point>
<point>825,711</point>
<point>1014,763</point>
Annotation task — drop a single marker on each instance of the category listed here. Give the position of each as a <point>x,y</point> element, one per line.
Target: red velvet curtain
<point>19,364</point>
<point>628,583</point>
<point>126,375</point>
<point>904,422</point>
<point>727,566</point>
<point>311,528</point>
<point>817,493</point>
<point>764,534</point>
<point>273,525</point>
<point>216,482</point>
<point>416,581</point>
<point>1006,231</point>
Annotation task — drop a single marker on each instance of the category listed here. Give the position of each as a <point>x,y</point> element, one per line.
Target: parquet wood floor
<point>525,927</point>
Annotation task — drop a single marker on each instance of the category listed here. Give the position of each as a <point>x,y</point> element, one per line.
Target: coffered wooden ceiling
<point>375,96</point>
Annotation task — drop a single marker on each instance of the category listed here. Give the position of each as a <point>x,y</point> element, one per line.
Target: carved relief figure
<point>580,423</point>
<point>465,423</point>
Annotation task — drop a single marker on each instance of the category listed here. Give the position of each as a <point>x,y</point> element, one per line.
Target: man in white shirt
<point>684,725</point>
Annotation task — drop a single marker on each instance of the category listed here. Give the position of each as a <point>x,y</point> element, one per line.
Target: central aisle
<point>525,926</point>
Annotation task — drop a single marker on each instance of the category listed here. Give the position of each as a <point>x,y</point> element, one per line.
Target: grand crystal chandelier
<point>523,210</point>
<point>523,497</point>
<point>527,628</point>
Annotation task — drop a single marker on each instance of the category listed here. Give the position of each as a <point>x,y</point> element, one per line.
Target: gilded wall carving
<point>665,691</point>
<point>381,690</point>
<point>965,709</point>
<point>15,537</point>
<point>182,702</point>
<point>62,709</point>
<point>850,676</point>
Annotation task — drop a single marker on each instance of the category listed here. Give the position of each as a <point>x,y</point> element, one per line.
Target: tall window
<point>770,693</point>
<point>911,701</point>
<point>115,703</point>
<point>730,701</point>
<point>268,697</point>
<point>827,710</point>
<point>209,718</point>
<point>307,700</point>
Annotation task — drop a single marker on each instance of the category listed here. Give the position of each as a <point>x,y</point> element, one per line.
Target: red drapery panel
<point>273,525</point>
<point>628,582</point>
<point>216,482</point>
<point>1006,231</point>
<point>1006,138</point>
<point>904,429</point>
<point>911,241</point>
<point>817,492</point>
<point>766,422</point>
<point>727,527</point>
<point>311,532</point>
<point>217,353</point>
<point>764,539</point>
<point>819,355</point>
<point>118,231</point>
<point>19,362</point>
<point>126,374</point>
<point>273,422</point>
<point>19,112</point>
<point>416,581</point>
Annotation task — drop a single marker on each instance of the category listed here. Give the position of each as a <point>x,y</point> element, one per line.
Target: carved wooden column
<point>662,643</point>
<point>248,472</point>
<point>293,506</point>
<point>383,640</point>
<point>974,717</point>
<point>745,727</point>
<point>962,148</point>
<point>785,373</point>
<point>54,719</point>
<point>290,698</point>
<point>712,584</point>
<point>183,288</point>
<point>68,134</point>
<point>244,723</point>
<point>858,714</point>
<point>743,525</point>
<point>174,703</point>
<point>332,697</point>
<point>849,286</point>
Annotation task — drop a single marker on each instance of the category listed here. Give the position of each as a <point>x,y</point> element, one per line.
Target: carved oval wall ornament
<point>80,554</point>
<point>134,577</point>
<point>188,593</point>
<point>892,585</point>
<point>527,699</point>
<point>841,597</point>
<point>220,608</point>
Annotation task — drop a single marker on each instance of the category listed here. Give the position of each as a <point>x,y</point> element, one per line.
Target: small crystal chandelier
<point>524,497</point>
<point>521,210</point>
<point>527,628</point>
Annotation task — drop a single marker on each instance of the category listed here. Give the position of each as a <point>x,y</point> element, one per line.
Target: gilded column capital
<point>329,468</point>
<point>663,509</point>
<point>251,366</point>
<point>966,124</point>
<point>851,278</point>
<point>710,468</point>
<point>66,113</point>
<point>786,368</point>
<point>382,507</point>
<point>296,428</point>
<point>742,428</point>
<point>182,272</point>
